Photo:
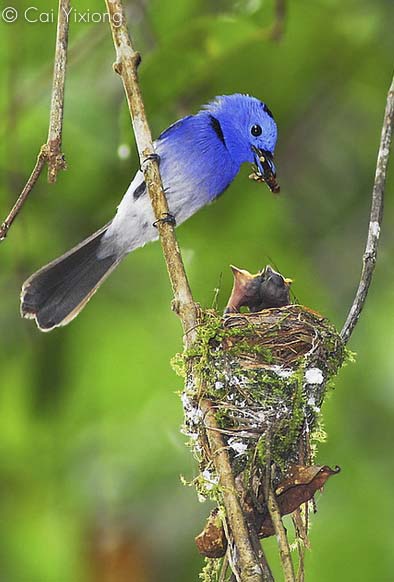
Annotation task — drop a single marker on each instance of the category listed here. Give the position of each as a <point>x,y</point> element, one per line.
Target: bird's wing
<point>174,127</point>
<point>132,225</point>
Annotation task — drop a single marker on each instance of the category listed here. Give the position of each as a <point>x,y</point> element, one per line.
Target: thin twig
<point>276,518</point>
<point>375,220</point>
<point>50,152</point>
<point>127,62</point>
<point>283,542</point>
<point>223,570</point>
<point>301,541</point>
<point>39,166</point>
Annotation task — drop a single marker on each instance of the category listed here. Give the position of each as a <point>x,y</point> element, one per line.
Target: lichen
<point>211,570</point>
<point>254,392</point>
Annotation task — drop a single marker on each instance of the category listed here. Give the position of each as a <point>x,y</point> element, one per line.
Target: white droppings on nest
<point>238,446</point>
<point>234,381</point>
<point>282,372</point>
<point>262,415</point>
<point>219,385</point>
<point>193,436</point>
<point>210,480</point>
<point>312,404</point>
<point>189,386</point>
<point>193,414</point>
<point>314,376</point>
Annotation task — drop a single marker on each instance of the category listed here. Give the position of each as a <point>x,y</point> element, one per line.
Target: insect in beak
<point>264,169</point>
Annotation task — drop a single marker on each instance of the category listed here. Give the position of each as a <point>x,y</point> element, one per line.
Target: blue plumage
<point>200,155</point>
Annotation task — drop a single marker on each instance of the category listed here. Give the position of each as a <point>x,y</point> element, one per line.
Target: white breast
<point>132,226</point>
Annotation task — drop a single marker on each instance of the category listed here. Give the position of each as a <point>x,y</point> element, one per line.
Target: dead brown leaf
<point>299,486</point>
<point>212,542</point>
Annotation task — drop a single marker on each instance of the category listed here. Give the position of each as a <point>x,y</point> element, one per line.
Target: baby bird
<point>264,290</point>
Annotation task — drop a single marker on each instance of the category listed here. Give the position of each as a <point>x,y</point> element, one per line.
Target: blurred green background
<point>90,449</point>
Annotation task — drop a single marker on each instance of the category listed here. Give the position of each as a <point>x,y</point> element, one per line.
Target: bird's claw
<point>154,157</point>
<point>167,218</point>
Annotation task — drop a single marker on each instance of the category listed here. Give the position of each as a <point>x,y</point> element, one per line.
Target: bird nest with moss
<point>265,375</point>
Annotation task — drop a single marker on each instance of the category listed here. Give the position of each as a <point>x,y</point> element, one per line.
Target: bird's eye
<point>256,130</point>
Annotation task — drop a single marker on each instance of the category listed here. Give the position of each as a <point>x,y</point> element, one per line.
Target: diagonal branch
<point>50,152</point>
<point>250,569</point>
<point>127,62</point>
<point>126,65</point>
<point>375,220</point>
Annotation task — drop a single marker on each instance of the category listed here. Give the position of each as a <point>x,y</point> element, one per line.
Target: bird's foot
<point>154,157</point>
<point>167,218</point>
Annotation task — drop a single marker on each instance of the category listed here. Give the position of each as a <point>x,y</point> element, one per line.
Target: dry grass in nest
<point>287,334</point>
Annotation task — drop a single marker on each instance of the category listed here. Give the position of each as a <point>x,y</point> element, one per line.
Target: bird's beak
<point>241,275</point>
<point>266,171</point>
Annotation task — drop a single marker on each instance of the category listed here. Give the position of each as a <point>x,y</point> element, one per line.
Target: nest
<point>288,334</point>
<point>266,375</point>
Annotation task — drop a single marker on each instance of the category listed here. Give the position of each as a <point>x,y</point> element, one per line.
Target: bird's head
<point>249,132</point>
<point>264,290</point>
<point>274,289</point>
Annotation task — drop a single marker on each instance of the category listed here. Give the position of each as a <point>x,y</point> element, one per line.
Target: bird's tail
<point>55,294</point>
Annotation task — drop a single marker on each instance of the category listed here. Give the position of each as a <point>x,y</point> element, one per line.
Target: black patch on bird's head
<point>267,110</point>
<point>215,124</point>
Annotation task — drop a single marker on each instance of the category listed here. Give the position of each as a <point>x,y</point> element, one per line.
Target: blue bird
<point>200,155</point>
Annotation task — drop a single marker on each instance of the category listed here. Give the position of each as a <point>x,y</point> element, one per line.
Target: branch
<point>50,152</point>
<point>126,65</point>
<point>248,563</point>
<point>283,543</point>
<point>55,159</point>
<point>276,518</point>
<point>375,220</point>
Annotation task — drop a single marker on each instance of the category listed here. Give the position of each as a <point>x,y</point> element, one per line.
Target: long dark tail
<point>58,292</point>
